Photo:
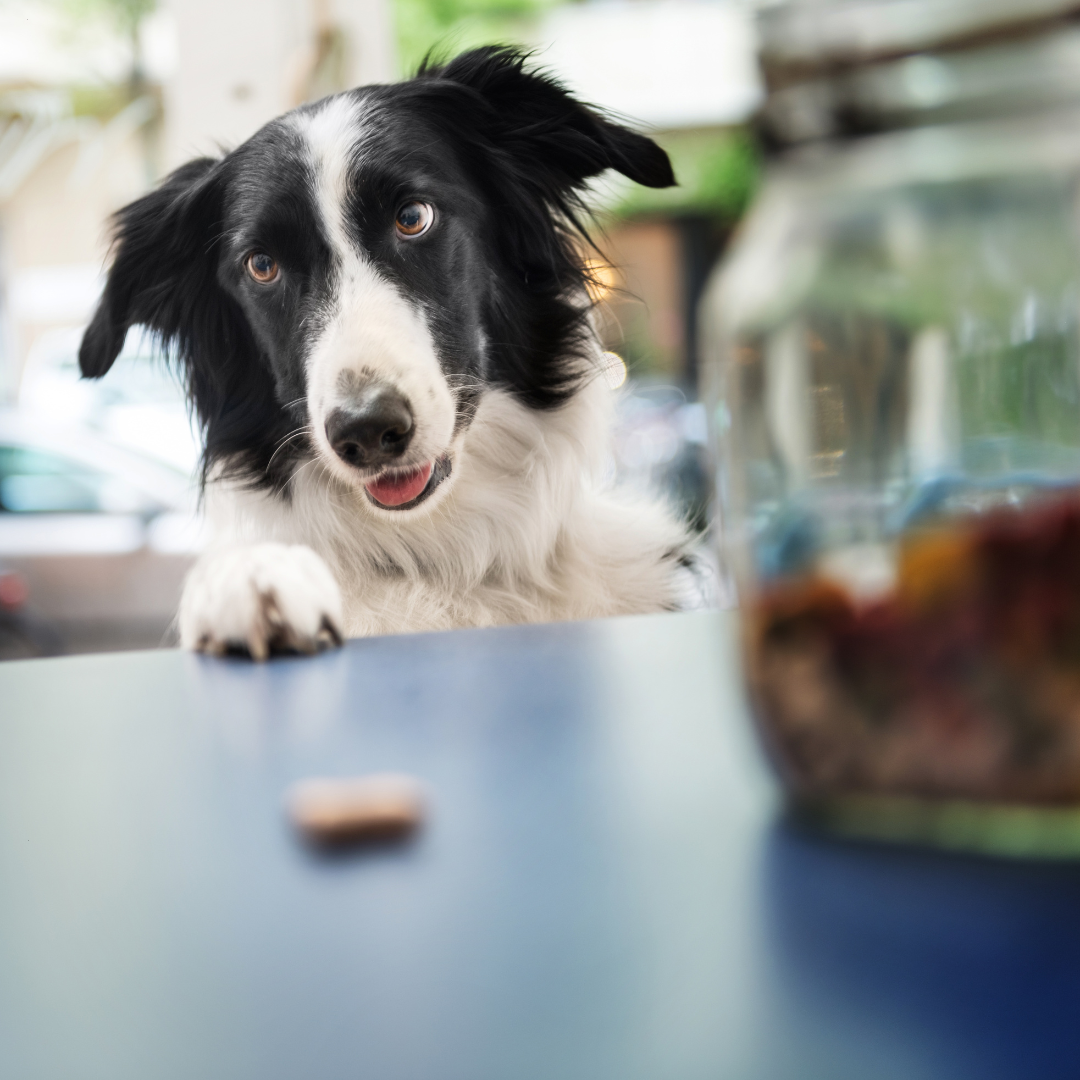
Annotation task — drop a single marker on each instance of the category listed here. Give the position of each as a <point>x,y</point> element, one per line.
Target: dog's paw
<point>261,599</point>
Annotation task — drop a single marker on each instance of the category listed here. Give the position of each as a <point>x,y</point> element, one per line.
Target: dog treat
<point>331,811</point>
<point>962,679</point>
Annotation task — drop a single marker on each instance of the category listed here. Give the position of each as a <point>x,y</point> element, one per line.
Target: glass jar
<point>892,371</point>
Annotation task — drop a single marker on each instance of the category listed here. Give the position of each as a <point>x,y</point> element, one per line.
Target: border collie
<point>381,308</point>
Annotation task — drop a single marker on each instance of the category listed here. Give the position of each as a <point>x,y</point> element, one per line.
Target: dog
<point>381,308</point>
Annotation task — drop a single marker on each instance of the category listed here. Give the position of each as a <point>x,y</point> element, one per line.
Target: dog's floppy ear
<point>534,119</point>
<point>164,268</point>
<point>165,277</point>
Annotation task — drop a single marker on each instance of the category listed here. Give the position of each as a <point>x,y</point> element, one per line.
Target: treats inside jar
<point>958,677</point>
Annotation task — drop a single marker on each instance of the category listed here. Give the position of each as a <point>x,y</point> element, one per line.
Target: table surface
<point>605,887</point>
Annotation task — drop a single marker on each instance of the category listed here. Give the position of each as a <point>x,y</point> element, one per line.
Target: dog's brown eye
<point>262,268</point>
<point>414,218</point>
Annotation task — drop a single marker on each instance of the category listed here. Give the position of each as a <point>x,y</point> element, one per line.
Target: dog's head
<point>350,280</point>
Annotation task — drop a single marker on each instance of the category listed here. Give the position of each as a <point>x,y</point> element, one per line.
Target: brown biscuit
<point>330,811</point>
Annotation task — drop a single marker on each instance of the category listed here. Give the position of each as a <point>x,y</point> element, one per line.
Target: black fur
<point>503,153</point>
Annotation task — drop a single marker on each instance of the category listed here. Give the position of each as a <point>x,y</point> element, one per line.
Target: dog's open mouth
<point>402,489</point>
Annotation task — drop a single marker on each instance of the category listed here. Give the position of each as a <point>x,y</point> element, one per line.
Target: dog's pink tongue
<point>399,488</point>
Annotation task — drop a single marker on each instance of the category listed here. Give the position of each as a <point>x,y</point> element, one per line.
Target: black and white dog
<point>380,305</point>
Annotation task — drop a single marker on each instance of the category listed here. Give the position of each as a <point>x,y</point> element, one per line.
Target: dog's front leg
<point>260,599</point>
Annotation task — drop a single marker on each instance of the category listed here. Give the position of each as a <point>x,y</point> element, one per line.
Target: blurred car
<point>100,536</point>
<point>659,445</point>
<point>140,404</point>
<point>21,635</point>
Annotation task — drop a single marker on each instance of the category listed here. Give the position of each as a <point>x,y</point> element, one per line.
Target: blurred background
<point>100,98</point>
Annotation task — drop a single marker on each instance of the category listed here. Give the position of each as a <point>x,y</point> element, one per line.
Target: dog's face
<point>350,280</point>
<point>356,268</point>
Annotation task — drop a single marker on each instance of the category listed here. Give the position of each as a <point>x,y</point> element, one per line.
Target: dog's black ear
<point>533,118</point>
<point>163,268</point>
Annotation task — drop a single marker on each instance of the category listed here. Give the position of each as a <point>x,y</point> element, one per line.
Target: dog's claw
<point>263,600</point>
<point>329,636</point>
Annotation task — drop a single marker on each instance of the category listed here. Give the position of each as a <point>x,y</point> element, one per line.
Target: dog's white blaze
<point>371,330</point>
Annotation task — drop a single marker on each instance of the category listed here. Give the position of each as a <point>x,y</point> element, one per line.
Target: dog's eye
<point>262,268</point>
<point>414,218</point>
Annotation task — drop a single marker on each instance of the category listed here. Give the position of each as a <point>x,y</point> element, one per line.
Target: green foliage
<point>448,26</point>
<point>125,15</point>
<point>98,100</point>
<point>717,171</point>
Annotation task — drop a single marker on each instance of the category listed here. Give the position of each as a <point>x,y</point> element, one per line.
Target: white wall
<point>666,63</point>
<point>242,62</point>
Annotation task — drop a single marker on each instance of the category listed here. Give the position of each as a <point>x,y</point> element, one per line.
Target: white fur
<point>527,534</point>
<point>371,332</point>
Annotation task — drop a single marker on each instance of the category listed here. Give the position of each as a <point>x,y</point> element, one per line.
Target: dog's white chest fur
<point>529,533</point>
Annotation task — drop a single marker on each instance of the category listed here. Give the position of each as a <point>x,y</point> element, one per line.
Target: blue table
<point>604,891</point>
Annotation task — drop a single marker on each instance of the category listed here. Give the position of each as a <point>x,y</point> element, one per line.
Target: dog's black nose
<point>375,430</point>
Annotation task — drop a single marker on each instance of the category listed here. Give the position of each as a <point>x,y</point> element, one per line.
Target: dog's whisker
<point>305,429</point>
<point>282,443</point>
<point>297,472</point>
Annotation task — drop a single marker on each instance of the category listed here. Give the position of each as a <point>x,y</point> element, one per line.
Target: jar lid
<point>799,38</point>
<point>850,67</point>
